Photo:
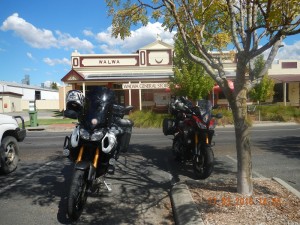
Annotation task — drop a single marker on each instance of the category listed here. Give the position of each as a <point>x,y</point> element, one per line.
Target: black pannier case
<point>169,126</point>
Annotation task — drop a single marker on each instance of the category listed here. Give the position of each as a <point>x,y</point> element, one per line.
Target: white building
<point>16,97</point>
<point>286,73</point>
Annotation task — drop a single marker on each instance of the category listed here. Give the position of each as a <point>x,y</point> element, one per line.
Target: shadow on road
<point>141,187</point>
<point>288,146</point>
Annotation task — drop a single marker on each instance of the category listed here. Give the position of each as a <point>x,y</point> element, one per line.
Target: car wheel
<point>9,155</point>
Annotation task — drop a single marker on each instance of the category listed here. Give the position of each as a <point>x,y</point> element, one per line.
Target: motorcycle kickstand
<point>107,185</point>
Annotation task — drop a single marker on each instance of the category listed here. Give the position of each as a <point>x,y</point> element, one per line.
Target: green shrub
<point>227,116</point>
<point>279,113</point>
<point>148,118</point>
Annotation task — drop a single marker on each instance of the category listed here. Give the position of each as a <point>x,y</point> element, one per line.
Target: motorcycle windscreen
<point>98,108</point>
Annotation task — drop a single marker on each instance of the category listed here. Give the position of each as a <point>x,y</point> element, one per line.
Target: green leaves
<point>190,79</point>
<point>265,89</point>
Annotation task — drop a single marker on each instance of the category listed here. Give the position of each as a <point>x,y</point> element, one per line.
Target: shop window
<point>147,95</point>
<point>278,92</point>
<point>120,97</point>
<point>289,65</point>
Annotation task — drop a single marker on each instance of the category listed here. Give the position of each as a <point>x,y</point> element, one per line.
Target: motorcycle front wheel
<point>203,164</point>
<point>77,195</point>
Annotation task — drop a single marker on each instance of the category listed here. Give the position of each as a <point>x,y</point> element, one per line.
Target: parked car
<point>10,134</point>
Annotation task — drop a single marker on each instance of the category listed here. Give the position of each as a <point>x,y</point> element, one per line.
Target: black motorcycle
<point>95,143</point>
<point>193,130</point>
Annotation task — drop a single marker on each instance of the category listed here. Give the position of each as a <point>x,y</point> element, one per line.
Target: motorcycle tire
<point>9,155</point>
<point>77,195</point>
<point>203,164</point>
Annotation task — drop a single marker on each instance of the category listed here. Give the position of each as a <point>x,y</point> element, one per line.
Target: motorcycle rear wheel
<point>77,195</point>
<point>203,164</point>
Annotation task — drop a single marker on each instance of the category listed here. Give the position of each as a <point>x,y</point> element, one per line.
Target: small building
<point>15,97</point>
<point>286,74</point>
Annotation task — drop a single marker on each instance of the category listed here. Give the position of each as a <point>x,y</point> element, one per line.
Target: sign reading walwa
<point>145,86</point>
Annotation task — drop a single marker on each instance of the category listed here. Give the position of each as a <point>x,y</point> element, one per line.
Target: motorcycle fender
<point>201,148</point>
<point>82,165</point>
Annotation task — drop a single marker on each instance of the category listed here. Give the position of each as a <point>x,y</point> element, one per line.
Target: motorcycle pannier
<point>125,139</point>
<point>169,126</point>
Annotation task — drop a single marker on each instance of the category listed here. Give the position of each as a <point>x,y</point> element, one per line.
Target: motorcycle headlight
<point>201,125</point>
<point>97,135</point>
<point>84,134</point>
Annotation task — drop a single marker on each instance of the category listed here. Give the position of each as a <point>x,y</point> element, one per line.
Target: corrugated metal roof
<point>15,84</point>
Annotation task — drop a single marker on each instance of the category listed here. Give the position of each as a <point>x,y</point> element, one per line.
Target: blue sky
<point>37,37</point>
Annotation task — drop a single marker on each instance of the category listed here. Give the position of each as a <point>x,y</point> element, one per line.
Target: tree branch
<point>233,23</point>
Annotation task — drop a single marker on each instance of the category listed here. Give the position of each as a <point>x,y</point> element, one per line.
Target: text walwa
<point>109,61</point>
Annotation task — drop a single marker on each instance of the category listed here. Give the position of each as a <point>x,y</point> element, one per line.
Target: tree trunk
<point>244,170</point>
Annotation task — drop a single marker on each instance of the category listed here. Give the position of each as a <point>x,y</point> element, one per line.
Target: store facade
<point>139,79</point>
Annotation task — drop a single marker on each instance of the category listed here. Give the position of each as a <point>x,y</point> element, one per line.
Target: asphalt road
<point>36,192</point>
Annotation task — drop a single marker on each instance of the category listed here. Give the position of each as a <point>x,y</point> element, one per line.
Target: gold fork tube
<point>206,139</point>
<point>96,157</point>
<point>79,157</point>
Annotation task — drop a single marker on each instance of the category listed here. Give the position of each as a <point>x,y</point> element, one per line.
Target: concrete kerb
<point>185,209</point>
<point>287,186</point>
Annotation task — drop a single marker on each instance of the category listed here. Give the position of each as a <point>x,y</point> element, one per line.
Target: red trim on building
<point>73,75</point>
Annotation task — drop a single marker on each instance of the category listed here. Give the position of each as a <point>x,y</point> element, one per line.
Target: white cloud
<point>37,38</point>
<point>139,38</point>
<point>27,70</point>
<point>88,33</point>
<point>67,41</point>
<point>109,50</point>
<point>289,51</point>
<point>43,38</point>
<point>53,62</point>
<point>30,56</point>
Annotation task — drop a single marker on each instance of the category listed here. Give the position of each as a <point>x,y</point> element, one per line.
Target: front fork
<point>197,150</point>
<point>85,165</point>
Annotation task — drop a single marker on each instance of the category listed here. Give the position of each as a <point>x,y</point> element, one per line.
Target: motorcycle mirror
<point>71,114</point>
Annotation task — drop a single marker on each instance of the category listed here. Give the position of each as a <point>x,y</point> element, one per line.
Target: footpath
<point>184,207</point>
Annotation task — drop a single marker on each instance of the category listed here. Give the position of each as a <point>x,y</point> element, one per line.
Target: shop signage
<point>124,61</point>
<point>145,86</point>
